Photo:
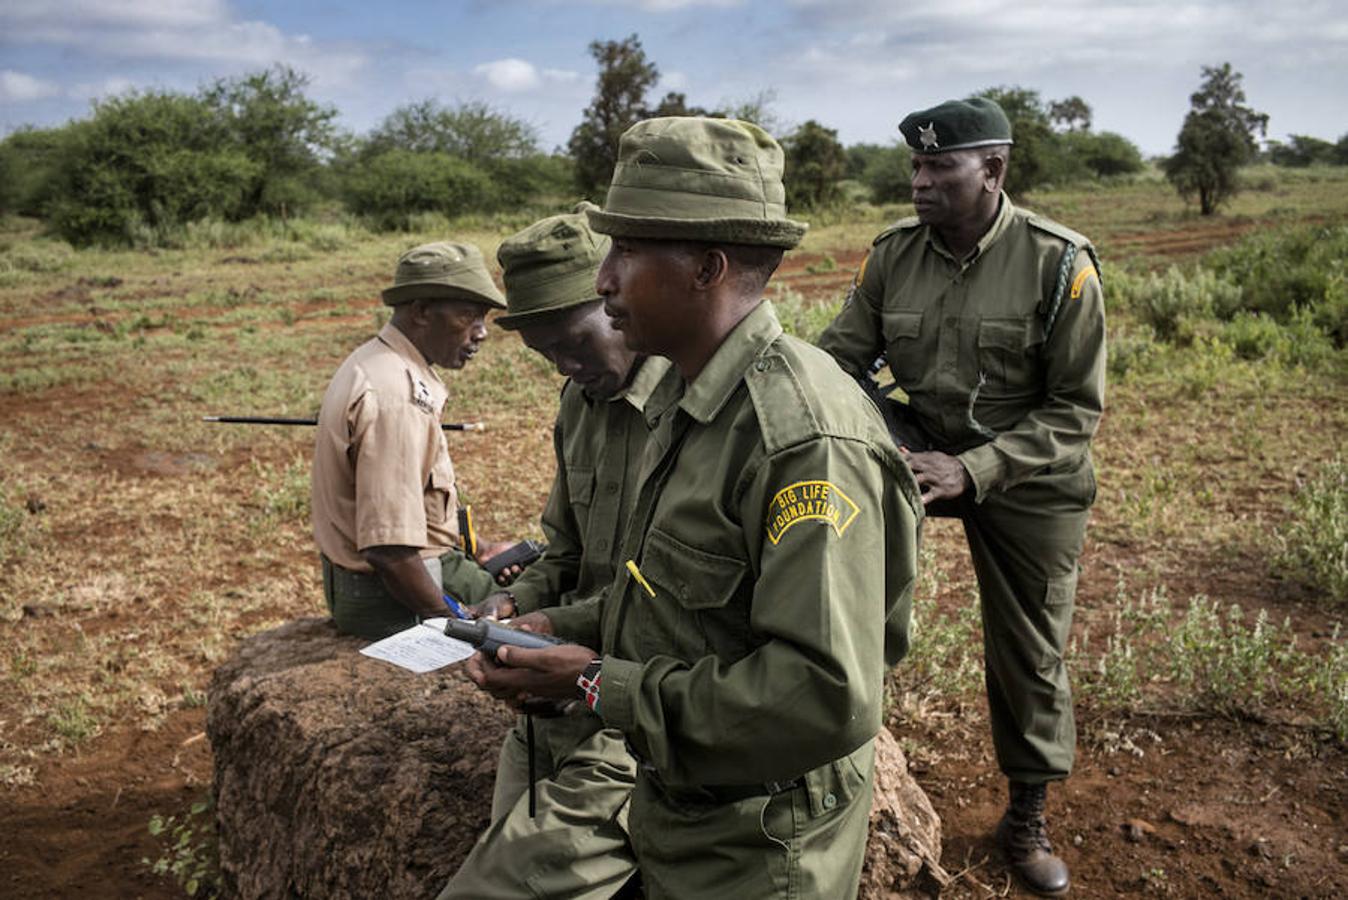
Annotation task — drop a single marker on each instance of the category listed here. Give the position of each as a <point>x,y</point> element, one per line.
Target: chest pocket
<point>692,611</point>
<point>902,328</point>
<point>1008,353</point>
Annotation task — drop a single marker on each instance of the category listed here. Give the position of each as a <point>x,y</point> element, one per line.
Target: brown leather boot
<point>1023,836</point>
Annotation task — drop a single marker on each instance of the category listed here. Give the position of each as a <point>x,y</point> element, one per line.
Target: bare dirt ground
<point>1161,803</point>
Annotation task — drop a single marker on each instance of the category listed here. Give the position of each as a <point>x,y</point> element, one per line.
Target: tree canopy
<point>1218,136</point>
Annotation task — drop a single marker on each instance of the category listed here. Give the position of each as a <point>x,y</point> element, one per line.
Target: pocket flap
<point>696,578</point>
<point>1009,334</point>
<point>898,324</point>
<point>580,483</point>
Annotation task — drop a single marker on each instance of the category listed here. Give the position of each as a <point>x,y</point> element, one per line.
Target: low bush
<point>1314,544</point>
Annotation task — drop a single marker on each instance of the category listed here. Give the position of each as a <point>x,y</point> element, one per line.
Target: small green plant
<point>191,853</point>
<point>827,264</point>
<point>14,528</point>
<point>73,721</point>
<point>283,493</point>
<point>1314,545</point>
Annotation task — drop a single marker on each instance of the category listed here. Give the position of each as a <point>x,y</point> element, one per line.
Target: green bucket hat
<point>956,125</point>
<point>694,179</point>
<point>550,266</point>
<point>443,271</point>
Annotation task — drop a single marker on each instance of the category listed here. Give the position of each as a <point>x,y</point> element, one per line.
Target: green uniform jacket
<point>775,532</point>
<point>993,370</point>
<point>598,444</point>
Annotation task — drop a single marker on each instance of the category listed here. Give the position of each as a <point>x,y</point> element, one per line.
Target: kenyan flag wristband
<point>587,682</point>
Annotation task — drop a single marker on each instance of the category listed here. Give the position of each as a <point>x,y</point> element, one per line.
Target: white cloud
<point>194,31</point>
<point>108,87</point>
<point>16,87</point>
<point>514,76</point>
<point>509,74</point>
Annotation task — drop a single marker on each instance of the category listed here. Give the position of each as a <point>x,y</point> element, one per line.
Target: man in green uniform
<point>992,321</point>
<point>770,557</point>
<point>385,501</point>
<point>574,842</point>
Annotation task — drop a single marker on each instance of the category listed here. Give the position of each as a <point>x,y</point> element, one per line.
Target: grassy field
<point>138,544</point>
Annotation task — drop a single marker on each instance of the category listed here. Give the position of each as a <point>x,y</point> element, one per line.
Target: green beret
<point>550,265</point>
<point>443,271</point>
<point>685,178</point>
<point>957,125</point>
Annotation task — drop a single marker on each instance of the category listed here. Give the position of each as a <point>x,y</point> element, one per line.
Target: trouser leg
<point>576,844</point>
<point>1025,548</point>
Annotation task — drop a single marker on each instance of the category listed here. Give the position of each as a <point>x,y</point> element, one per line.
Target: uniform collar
<point>709,391</point>
<point>990,237</point>
<point>392,337</point>
<point>648,375</point>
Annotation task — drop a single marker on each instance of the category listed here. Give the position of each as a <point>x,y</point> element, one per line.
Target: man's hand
<point>499,605</point>
<point>940,476</point>
<point>487,549</point>
<point>518,675</point>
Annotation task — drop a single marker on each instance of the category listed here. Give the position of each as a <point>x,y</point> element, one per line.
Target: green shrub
<point>1282,270</point>
<point>1314,544</point>
<point>1131,349</point>
<point>391,187</point>
<point>1252,335</point>
<point>1175,301</point>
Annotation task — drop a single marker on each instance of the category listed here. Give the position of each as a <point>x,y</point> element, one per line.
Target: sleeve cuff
<point>617,692</point>
<point>985,467</point>
<point>526,598</point>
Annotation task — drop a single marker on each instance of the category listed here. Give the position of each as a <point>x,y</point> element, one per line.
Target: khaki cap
<point>443,271</point>
<point>685,178</point>
<point>549,266</point>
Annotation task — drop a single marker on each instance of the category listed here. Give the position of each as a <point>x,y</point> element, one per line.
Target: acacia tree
<point>273,122</point>
<point>472,131</point>
<point>625,74</point>
<point>815,163</point>
<point>1071,114</point>
<point>1218,136</point>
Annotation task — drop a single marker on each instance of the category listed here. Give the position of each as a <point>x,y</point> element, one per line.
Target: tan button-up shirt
<point>382,474</point>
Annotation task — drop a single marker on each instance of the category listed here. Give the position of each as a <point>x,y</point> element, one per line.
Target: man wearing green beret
<point>992,322</point>
<point>570,838</point>
<point>384,499</point>
<point>770,556</point>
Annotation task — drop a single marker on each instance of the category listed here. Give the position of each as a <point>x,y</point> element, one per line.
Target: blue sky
<point>855,65</point>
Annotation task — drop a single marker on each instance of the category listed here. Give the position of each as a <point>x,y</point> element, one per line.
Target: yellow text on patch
<point>820,501</point>
<point>1080,281</point>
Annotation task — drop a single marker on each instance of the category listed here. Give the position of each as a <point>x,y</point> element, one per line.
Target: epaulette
<point>1076,242</point>
<point>786,415</point>
<point>901,225</point>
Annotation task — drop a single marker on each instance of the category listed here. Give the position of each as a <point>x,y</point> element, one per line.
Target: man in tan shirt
<point>384,500</point>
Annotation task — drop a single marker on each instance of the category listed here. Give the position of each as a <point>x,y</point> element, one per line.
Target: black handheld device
<point>521,554</point>
<point>491,636</point>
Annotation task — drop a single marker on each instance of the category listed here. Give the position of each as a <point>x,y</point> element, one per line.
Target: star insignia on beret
<point>927,135</point>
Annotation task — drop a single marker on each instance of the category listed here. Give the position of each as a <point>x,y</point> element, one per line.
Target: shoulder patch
<point>809,501</point>
<point>902,225</point>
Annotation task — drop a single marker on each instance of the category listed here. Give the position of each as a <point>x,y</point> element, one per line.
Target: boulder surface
<point>337,775</point>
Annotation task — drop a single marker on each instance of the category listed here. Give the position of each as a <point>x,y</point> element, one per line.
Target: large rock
<point>341,776</point>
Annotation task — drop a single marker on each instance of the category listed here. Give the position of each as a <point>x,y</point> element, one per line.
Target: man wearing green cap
<point>770,557</point>
<point>384,498</point>
<point>992,321</point>
<point>573,842</point>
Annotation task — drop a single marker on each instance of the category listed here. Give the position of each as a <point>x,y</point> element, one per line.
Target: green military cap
<point>685,178</point>
<point>957,125</point>
<point>443,271</point>
<point>550,265</point>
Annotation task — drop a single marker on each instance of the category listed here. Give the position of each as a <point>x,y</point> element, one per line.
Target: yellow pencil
<point>641,580</point>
